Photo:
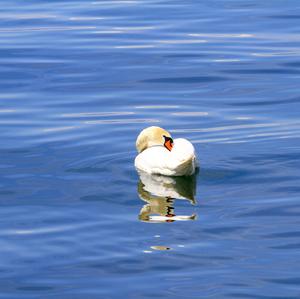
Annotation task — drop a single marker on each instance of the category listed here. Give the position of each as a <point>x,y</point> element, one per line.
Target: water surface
<point>80,79</point>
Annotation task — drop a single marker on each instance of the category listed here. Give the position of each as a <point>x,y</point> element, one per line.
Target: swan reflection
<point>160,194</point>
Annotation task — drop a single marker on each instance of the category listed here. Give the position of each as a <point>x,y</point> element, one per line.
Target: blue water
<point>80,79</point>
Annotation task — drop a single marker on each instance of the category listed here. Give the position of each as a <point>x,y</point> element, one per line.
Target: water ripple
<point>122,121</point>
<point>185,80</point>
<point>95,114</point>
<point>62,28</point>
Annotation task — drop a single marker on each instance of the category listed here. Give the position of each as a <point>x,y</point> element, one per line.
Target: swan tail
<point>186,167</point>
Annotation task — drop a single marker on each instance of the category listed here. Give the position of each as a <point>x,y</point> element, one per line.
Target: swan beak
<point>168,143</point>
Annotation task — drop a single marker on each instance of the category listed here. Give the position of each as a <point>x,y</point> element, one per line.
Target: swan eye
<point>168,143</point>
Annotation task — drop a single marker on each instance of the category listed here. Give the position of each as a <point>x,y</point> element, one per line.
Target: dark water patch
<point>7,192</point>
<point>257,296</point>
<point>287,247</point>
<point>286,281</point>
<point>248,176</point>
<point>85,170</point>
<point>287,16</point>
<point>263,71</point>
<point>215,175</point>
<point>295,64</point>
<point>186,55</point>
<point>288,189</point>
<point>281,211</point>
<point>185,80</point>
<point>224,230</point>
<point>35,288</point>
<point>92,198</point>
<point>268,103</point>
<point>266,179</point>
<point>290,158</point>
<point>291,234</point>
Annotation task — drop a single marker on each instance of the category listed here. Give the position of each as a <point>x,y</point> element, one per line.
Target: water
<point>80,79</point>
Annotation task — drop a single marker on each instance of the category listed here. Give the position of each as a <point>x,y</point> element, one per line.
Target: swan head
<point>153,136</point>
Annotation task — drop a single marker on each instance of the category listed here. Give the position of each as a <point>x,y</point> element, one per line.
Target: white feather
<point>181,160</point>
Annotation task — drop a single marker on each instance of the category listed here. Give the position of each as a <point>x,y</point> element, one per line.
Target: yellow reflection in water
<point>160,248</point>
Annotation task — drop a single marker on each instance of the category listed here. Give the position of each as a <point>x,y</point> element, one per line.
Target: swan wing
<point>154,160</point>
<point>158,160</point>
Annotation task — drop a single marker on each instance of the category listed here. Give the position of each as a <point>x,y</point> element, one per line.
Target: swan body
<point>159,154</point>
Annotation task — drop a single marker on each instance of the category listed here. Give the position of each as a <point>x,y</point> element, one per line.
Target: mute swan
<point>160,154</point>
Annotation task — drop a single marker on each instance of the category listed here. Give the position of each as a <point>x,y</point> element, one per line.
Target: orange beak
<point>168,143</point>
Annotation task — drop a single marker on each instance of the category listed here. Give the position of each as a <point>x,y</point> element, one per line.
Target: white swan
<point>159,154</point>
